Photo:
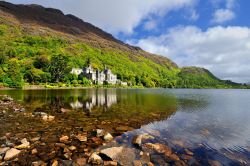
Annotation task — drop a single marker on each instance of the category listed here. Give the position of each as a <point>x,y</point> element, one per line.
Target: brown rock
<point>124,128</point>
<point>110,163</point>
<point>95,159</point>
<point>112,152</point>
<point>12,153</point>
<point>81,161</point>
<point>61,145</point>
<point>34,151</point>
<point>108,137</point>
<point>188,152</point>
<point>72,148</point>
<point>82,138</point>
<point>64,139</point>
<point>214,163</point>
<point>137,163</point>
<point>4,150</point>
<point>55,163</point>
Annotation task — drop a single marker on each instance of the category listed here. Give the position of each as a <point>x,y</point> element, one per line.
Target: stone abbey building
<point>96,76</point>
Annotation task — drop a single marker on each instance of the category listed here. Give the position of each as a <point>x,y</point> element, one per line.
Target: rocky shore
<point>100,143</point>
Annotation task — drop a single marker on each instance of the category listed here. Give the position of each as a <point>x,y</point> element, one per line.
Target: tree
<point>58,67</point>
<point>15,77</point>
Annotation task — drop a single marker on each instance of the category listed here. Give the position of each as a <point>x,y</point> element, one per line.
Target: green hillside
<point>37,53</point>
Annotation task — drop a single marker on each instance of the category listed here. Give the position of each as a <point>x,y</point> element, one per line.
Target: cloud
<point>223,50</point>
<point>223,15</point>
<point>114,15</point>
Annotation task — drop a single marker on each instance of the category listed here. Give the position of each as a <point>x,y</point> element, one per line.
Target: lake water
<point>214,124</point>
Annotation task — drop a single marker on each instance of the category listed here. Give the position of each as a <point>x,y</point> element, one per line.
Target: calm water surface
<point>215,124</point>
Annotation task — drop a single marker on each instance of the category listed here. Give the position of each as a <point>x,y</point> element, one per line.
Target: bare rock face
<point>11,154</point>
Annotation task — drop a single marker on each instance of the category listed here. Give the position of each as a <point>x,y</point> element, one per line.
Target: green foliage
<point>49,58</point>
<point>58,67</point>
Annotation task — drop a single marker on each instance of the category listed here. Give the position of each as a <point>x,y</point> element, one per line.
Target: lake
<point>213,124</point>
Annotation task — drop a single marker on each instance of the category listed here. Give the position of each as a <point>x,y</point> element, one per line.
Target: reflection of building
<point>96,98</point>
<point>76,105</point>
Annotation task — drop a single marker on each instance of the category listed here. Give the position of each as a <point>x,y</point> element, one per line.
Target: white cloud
<point>194,15</point>
<point>223,50</point>
<point>114,15</point>
<point>223,15</point>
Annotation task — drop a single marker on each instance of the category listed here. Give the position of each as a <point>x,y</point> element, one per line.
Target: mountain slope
<point>33,39</point>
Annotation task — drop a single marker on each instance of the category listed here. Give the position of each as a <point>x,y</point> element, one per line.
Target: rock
<point>214,163</point>
<point>66,150</point>
<point>82,138</point>
<point>188,152</point>
<point>145,157</point>
<point>25,144</point>
<point>137,140</point>
<point>48,118</point>
<point>124,128</point>
<point>55,163</point>
<point>111,152</point>
<point>110,163</point>
<point>68,156</point>
<point>63,110</point>
<point>108,137</point>
<point>81,161</point>
<point>39,163</point>
<point>64,139</point>
<point>61,145</point>
<point>34,151</point>
<point>95,159</point>
<point>179,143</point>
<point>100,132</point>
<point>4,150</point>
<point>7,99</point>
<point>137,163</point>
<point>150,164</point>
<point>173,157</point>
<point>35,139</point>
<point>12,153</point>
<point>72,148</point>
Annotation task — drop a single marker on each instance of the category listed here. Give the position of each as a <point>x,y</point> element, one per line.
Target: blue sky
<point>214,34</point>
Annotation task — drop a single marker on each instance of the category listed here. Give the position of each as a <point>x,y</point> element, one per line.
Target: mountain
<point>34,39</point>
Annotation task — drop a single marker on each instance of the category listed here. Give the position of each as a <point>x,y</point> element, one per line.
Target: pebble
<point>4,150</point>
<point>12,153</point>
<point>108,137</point>
<point>95,159</point>
<point>82,138</point>
<point>112,152</point>
<point>100,132</point>
<point>72,148</point>
<point>55,163</point>
<point>81,161</point>
<point>64,139</point>
<point>34,151</point>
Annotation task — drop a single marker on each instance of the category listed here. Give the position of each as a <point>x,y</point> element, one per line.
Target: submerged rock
<point>82,138</point>
<point>108,137</point>
<point>111,152</point>
<point>7,99</point>
<point>4,150</point>
<point>12,153</point>
<point>25,144</point>
<point>95,159</point>
<point>100,132</point>
<point>48,118</point>
<point>81,161</point>
<point>64,139</point>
